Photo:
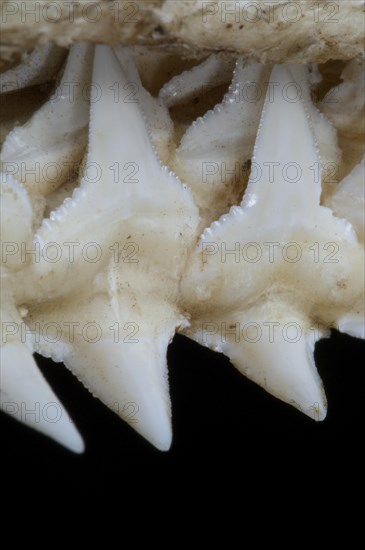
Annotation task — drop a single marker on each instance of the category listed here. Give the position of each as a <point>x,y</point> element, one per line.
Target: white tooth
<point>26,396</point>
<point>293,179</point>
<point>37,67</point>
<point>49,145</point>
<point>213,151</point>
<point>213,71</point>
<point>15,219</point>
<point>349,200</point>
<point>157,114</point>
<point>107,122</point>
<point>324,131</point>
<point>132,181</point>
<point>344,106</point>
<point>273,346</point>
<point>131,379</point>
<point>157,217</point>
<point>225,284</point>
<point>123,361</point>
<point>353,324</point>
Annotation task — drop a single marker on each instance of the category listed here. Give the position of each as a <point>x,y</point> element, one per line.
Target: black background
<point>221,421</point>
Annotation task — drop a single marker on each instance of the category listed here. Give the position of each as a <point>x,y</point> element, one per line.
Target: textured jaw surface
<point>114,271</point>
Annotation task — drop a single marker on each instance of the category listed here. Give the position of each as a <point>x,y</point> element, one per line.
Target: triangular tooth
<point>325,132</point>
<point>349,200</point>
<point>125,114</point>
<point>181,88</point>
<point>43,152</point>
<point>26,396</point>
<point>286,370</point>
<point>275,350</point>
<point>352,324</point>
<point>234,121</point>
<point>125,161</point>
<point>285,172</point>
<point>344,103</point>
<point>16,212</point>
<point>344,106</point>
<point>157,115</point>
<point>133,182</point>
<point>38,67</point>
<point>131,379</point>
<point>212,154</point>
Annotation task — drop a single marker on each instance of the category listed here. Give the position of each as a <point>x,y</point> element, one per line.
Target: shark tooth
<point>44,152</point>
<point>349,200</point>
<point>102,272</point>
<point>324,131</point>
<point>24,393</point>
<point>124,173</point>
<point>26,396</point>
<point>344,106</point>
<point>353,323</point>
<point>36,68</point>
<point>181,88</point>
<point>16,233</point>
<point>14,204</point>
<point>143,228</point>
<point>154,109</point>
<point>273,346</point>
<point>266,261</point>
<point>121,357</point>
<point>213,151</point>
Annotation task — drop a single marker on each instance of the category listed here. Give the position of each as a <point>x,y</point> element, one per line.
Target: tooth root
<point>131,379</point>
<point>282,363</point>
<point>26,396</point>
<point>352,324</point>
<point>293,183</point>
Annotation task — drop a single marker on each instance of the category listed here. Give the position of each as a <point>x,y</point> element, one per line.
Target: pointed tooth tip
<point>352,325</point>
<point>285,369</point>
<point>69,437</point>
<point>23,383</point>
<point>155,428</point>
<point>161,441</point>
<point>135,378</point>
<point>317,411</point>
<point>77,445</point>
<point>154,424</point>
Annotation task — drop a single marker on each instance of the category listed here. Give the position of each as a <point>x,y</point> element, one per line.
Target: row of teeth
<point>186,233</point>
